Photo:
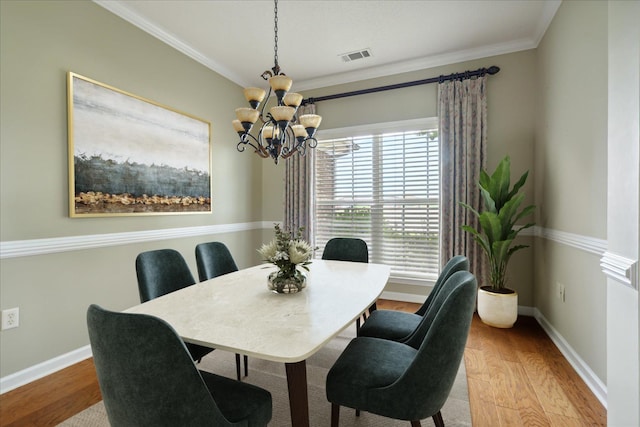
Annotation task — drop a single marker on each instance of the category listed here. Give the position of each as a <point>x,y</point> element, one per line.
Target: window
<point>382,185</point>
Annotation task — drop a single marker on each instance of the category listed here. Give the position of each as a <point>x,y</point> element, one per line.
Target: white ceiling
<point>235,38</point>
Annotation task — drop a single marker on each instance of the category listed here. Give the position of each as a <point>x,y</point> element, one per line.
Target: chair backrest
<point>416,338</point>
<point>161,272</point>
<point>146,375</point>
<point>346,249</point>
<point>214,259</point>
<point>429,378</point>
<point>457,263</point>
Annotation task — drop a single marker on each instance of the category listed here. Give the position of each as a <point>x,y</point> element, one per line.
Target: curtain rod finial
<point>493,70</point>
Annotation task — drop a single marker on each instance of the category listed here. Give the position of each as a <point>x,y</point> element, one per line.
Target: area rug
<point>272,376</point>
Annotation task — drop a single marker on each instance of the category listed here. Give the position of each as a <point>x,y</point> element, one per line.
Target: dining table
<point>237,312</point>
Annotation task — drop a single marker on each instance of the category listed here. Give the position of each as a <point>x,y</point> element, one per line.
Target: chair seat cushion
<point>390,325</point>
<point>367,363</point>
<point>238,401</point>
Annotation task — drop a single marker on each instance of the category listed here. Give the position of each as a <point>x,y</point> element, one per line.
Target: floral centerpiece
<point>287,252</point>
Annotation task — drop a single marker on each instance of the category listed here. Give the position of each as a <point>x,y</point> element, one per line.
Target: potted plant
<point>497,230</point>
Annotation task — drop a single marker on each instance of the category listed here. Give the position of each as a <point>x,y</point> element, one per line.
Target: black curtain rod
<point>442,78</point>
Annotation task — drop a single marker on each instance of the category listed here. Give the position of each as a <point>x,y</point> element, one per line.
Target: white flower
<point>269,251</point>
<point>299,251</point>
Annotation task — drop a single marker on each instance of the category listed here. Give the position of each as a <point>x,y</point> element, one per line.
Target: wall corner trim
<point>621,269</point>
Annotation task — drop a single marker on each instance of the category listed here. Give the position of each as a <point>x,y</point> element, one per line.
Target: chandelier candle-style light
<point>279,136</point>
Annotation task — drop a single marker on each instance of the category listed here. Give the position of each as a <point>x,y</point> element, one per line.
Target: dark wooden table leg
<point>298,398</point>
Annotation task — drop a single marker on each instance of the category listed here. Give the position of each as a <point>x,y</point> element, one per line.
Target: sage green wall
<point>40,42</point>
<point>511,98</point>
<point>571,175</point>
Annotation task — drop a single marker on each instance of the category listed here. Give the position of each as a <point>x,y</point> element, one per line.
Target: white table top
<point>238,313</point>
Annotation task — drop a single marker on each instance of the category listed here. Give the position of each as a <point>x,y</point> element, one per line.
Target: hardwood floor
<point>516,377</point>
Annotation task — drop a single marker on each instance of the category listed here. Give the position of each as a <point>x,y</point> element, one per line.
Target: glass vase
<point>283,283</point>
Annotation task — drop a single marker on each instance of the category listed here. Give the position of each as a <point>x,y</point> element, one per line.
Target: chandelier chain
<point>275,29</point>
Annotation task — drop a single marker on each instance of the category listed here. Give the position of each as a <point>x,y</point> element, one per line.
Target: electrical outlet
<point>561,291</point>
<point>10,318</point>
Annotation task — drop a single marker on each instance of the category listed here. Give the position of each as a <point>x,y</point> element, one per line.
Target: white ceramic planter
<point>496,309</point>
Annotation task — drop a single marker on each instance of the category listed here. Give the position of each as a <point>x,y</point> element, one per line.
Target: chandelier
<point>282,133</point>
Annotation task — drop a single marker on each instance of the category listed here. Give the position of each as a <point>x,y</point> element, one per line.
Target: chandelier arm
<point>287,145</point>
<point>244,141</point>
<point>264,104</point>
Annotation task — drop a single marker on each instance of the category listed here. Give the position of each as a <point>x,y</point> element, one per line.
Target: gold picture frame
<point>130,156</point>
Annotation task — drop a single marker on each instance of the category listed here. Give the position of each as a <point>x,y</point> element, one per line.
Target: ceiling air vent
<point>358,54</point>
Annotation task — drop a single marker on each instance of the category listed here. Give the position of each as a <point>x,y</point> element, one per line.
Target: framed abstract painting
<point>132,156</point>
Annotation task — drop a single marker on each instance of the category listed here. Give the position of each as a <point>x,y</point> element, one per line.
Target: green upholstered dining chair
<point>348,249</point>
<point>398,325</point>
<point>405,381</point>
<point>214,259</point>
<point>163,271</point>
<point>147,378</point>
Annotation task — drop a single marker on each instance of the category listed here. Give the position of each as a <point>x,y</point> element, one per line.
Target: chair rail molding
<point>621,269</point>
<point>588,244</point>
<point>21,248</point>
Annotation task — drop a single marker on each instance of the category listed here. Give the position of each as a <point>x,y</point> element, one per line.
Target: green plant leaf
<point>519,184</point>
<point>516,248</point>
<point>490,224</point>
<point>489,203</point>
<point>526,211</point>
<point>501,248</point>
<point>485,179</point>
<point>500,181</point>
<point>476,213</point>
<point>508,212</point>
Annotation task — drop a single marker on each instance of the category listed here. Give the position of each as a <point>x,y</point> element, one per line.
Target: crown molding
<point>120,9</point>
<point>416,64</point>
<point>548,12</point>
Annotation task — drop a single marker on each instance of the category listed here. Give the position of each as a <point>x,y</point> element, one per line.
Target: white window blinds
<point>384,189</point>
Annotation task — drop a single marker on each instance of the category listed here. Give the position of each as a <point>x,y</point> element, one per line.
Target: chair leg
<point>238,367</point>
<point>416,423</point>
<point>437,419</point>
<point>358,327</point>
<point>335,415</point>
<point>246,365</point>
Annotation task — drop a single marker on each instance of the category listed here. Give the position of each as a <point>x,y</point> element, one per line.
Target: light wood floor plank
<point>503,382</point>
<point>527,403</point>
<point>483,412</point>
<point>475,365</point>
<point>547,387</point>
<point>509,417</point>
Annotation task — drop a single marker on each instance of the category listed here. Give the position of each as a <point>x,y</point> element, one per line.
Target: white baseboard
<point>43,369</point>
<point>588,376</point>
<point>401,296</point>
